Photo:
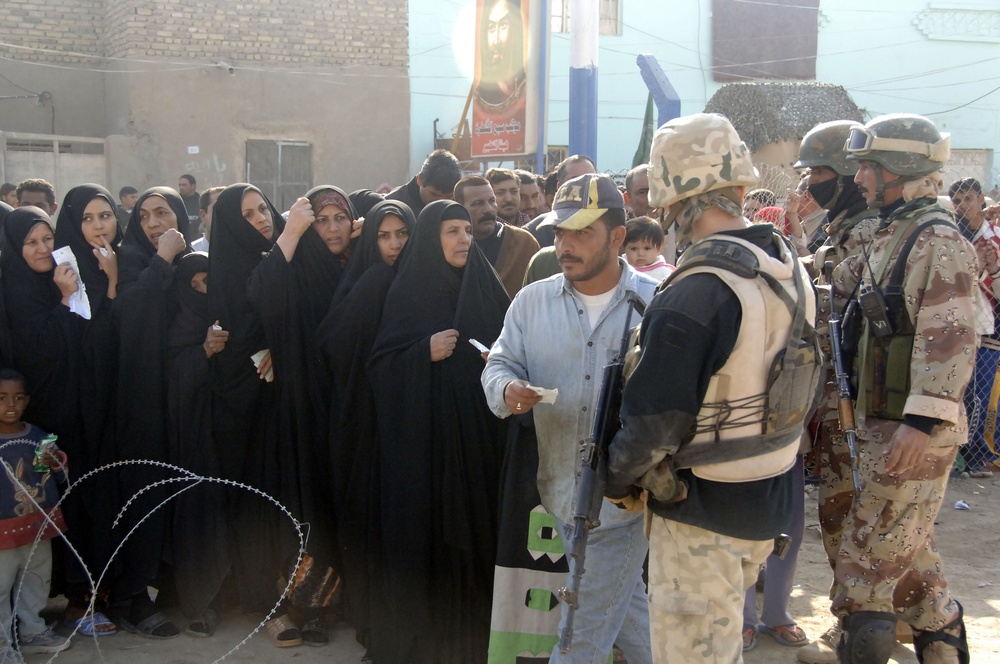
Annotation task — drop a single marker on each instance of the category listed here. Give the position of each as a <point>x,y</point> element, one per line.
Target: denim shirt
<point>547,340</point>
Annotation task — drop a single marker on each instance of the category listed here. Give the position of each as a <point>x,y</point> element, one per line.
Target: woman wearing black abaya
<point>6,353</point>
<point>244,414</point>
<point>88,225</point>
<point>345,337</point>
<point>199,550</point>
<point>364,200</point>
<point>441,447</point>
<point>68,361</point>
<point>291,291</point>
<point>144,307</point>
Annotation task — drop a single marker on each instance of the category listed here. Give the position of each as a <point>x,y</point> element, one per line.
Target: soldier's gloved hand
<point>634,502</point>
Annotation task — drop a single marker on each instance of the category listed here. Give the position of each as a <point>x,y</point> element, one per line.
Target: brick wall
<point>64,26</point>
<point>241,32</point>
<point>307,32</point>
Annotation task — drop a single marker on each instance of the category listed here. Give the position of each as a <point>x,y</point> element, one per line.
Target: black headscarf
<point>237,248</point>
<point>291,299</point>
<point>430,295</point>
<point>190,325</point>
<point>243,406</point>
<point>136,250</point>
<point>69,233</point>
<point>364,200</point>
<point>345,337</point>
<point>199,532</point>
<point>366,252</point>
<point>29,295</point>
<point>441,448</point>
<point>6,353</point>
<point>4,211</point>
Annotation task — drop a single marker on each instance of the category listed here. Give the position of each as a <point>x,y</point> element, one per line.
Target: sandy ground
<point>969,541</point>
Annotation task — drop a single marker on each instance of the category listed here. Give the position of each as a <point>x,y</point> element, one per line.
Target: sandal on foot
<point>156,626</point>
<point>749,639</point>
<point>204,627</point>
<point>282,632</point>
<point>315,632</point>
<point>88,625</point>
<point>787,635</point>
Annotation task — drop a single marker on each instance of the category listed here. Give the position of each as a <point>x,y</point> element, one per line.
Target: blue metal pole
<point>543,84</point>
<point>668,102</point>
<point>584,31</point>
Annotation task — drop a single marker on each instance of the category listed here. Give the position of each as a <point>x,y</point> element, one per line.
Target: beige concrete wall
<point>359,130</point>
<point>147,73</point>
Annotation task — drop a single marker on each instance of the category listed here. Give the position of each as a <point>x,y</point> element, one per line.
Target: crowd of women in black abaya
<point>320,359</point>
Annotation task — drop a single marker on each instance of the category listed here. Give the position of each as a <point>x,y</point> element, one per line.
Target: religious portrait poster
<point>504,107</point>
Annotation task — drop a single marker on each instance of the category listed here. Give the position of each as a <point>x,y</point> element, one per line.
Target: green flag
<point>646,139</point>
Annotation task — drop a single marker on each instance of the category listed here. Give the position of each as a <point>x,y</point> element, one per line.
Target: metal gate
<point>65,161</point>
<point>281,169</point>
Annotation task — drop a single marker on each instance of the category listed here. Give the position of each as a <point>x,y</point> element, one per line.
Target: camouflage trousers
<point>697,581</point>
<point>882,549</point>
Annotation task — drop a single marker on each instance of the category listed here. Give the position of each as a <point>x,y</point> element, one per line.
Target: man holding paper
<point>558,334</point>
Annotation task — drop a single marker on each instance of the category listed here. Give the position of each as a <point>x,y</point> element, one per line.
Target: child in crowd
<point>25,575</point>
<point>643,243</point>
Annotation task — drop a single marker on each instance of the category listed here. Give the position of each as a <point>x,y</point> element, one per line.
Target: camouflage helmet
<point>902,143</point>
<point>824,145</point>
<point>695,154</point>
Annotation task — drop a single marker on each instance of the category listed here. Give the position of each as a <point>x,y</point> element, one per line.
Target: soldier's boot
<point>868,637</point>
<point>948,645</point>
<point>822,650</point>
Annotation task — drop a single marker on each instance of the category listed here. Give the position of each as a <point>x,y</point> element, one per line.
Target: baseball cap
<point>583,200</point>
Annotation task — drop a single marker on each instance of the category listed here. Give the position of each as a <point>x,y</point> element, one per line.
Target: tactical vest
<point>882,365</point>
<point>756,406</point>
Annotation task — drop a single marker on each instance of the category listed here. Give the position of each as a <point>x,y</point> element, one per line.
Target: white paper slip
<point>257,357</point>
<point>547,395</point>
<point>480,347</point>
<point>79,303</point>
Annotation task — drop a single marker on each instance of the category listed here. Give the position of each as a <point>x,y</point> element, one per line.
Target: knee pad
<point>946,635</point>
<point>868,637</point>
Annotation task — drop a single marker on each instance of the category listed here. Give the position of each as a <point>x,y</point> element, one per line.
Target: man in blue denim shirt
<point>559,333</point>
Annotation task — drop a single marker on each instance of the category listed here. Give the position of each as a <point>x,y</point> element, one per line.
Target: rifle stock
<point>845,405</point>
<point>593,474</point>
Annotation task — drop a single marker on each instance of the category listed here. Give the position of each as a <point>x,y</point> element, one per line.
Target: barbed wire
<point>187,476</point>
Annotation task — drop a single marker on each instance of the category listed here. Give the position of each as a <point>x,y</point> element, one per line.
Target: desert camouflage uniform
<point>704,622</point>
<point>697,577</point>
<point>883,548</point>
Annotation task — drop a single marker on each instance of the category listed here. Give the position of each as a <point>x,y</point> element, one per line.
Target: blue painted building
<point>935,58</point>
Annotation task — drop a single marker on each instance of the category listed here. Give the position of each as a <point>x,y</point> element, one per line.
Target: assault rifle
<point>593,471</point>
<point>845,409</point>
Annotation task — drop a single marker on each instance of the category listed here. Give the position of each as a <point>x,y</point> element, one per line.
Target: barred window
<point>610,16</point>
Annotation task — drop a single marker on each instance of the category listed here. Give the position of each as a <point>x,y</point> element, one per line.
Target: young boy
<point>24,581</point>
<point>643,243</point>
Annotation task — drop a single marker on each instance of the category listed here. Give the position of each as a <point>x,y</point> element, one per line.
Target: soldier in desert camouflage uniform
<point>909,405</point>
<point>694,432</point>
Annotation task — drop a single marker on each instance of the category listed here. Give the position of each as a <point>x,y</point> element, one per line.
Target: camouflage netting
<point>766,113</point>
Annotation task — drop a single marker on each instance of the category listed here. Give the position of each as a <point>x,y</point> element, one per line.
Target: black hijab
<point>366,253</point>
<point>191,323</point>
<point>4,211</point>
<point>28,295</point>
<point>69,233</point>
<point>441,447</point>
<point>136,250</point>
<point>429,295</point>
<point>364,200</point>
<point>237,248</point>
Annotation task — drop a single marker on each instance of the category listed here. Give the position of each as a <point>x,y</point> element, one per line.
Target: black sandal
<point>205,626</point>
<point>922,639</point>
<point>315,632</point>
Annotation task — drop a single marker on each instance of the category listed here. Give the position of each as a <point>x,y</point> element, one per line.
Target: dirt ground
<point>969,542</point>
